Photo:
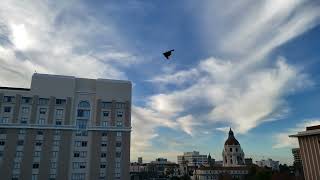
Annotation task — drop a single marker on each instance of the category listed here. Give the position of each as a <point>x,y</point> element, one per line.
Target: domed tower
<point>232,153</point>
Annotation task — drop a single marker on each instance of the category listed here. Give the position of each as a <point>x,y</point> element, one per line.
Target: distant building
<point>309,142</point>
<point>65,127</point>
<point>248,161</point>
<point>296,156</point>
<point>274,165</point>
<point>140,160</point>
<point>192,159</point>
<point>233,165</point>
<point>162,167</point>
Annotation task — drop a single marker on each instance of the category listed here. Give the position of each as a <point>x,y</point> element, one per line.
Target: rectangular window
<point>105,113</point>
<point>118,144</point>
<point>83,154</point>
<point>58,122</point>
<point>20,142</point>
<point>120,105</point>
<point>43,101</point>
<point>83,113</point>
<point>104,144</point>
<point>104,123</point>
<point>54,153</point>
<point>19,154</point>
<point>119,134</point>
<point>84,143</point>
<point>119,123</point>
<point>39,132</point>
<point>22,131</point>
<point>41,121</point>
<point>57,132</point>
<point>60,101</point>
<point>104,134</point>
<point>24,120</point>
<point>16,165</point>
<point>4,120</point>
<point>76,154</point>
<point>117,165</point>
<point>36,154</point>
<point>106,105</point>
<point>59,112</point>
<point>77,143</point>
<point>7,109</point>
<point>2,142</point>
<point>8,98</point>
<point>119,113</point>
<point>103,165</point>
<point>25,110</point>
<point>55,143</point>
<point>26,100</point>
<point>118,154</point>
<point>53,165</point>
<point>35,165</point>
<point>82,123</point>
<point>43,110</point>
<point>103,155</point>
<point>38,143</point>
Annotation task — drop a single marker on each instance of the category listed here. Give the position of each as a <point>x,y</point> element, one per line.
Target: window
<point>120,105</point>
<point>105,113</point>
<point>7,109</point>
<point>84,143</point>
<point>117,165</point>
<point>22,131</point>
<point>83,113</point>
<point>41,121</point>
<point>230,149</point>
<point>53,165</point>
<point>58,122</point>
<point>236,149</point>
<point>104,134</point>
<point>83,154</point>
<point>39,132</point>
<point>82,123</point>
<point>82,165</point>
<point>55,143</point>
<point>60,101</point>
<point>19,154</point>
<point>26,100</point>
<point>1,154</point>
<point>36,154</point>
<point>20,142</point>
<point>118,154</point>
<point>119,134</point>
<point>52,176</point>
<point>119,113</point>
<point>15,176</point>
<point>77,143</point>
<point>106,105</point>
<point>43,110</point>
<point>103,143</point>
<point>2,142</point>
<point>103,155</point>
<point>76,154</point>
<point>103,165</point>
<point>59,112</point>
<point>57,132</point>
<point>3,131</point>
<point>25,110</point>
<point>104,123</point>
<point>84,104</point>
<point>5,120</point>
<point>16,165</point>
<point>54,153</point>
<point>119,123</point>
<point>35,165</point>
<point>38,143</point>
<point>8,98</point>
<point>24,120</point>
<point>118,144</point>
<point>43,101</point>
<point>34,177</point>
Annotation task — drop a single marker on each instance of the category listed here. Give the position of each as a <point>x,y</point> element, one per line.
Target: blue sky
<point>249,65</point>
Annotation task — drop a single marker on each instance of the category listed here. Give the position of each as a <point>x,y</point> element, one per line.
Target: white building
<point>232,153</point>
<point>274,165</point>
<point>192,159</point>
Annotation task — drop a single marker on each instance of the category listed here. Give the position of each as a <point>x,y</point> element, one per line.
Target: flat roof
<point>15,88</point>
<point>307,133</point>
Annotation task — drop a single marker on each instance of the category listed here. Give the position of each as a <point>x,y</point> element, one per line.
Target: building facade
<point>232,153</point>
<point>65,128</point>
<point>309,142</point>
<point>274,165</point>
<point>193,158</point>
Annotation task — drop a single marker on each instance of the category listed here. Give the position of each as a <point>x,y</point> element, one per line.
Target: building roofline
<point>15,88</point>
<point>306,133</point>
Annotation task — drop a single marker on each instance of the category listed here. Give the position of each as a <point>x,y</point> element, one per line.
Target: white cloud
<point>187,124</point>
<point>283,140</point>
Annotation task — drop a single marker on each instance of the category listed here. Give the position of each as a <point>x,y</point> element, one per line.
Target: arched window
<point>84,104</point>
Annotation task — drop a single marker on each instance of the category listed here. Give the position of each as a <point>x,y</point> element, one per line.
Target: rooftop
<point>310,131</point>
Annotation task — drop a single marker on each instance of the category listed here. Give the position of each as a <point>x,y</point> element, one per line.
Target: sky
<point>249,65</point>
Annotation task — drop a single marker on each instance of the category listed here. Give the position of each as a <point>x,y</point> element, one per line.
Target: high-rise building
<point>65,128</point>
<point>297,162</point>
<point>309,142</point>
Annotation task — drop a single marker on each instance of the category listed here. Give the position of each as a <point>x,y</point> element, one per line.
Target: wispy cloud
<point>282,140</point>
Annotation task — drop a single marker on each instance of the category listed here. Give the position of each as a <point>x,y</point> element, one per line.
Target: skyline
<point>252,66</point>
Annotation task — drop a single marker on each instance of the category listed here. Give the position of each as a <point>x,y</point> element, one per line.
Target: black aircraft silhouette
<point>168,54</point>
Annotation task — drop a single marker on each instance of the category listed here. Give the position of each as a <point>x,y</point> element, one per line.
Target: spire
<point>230,133</point>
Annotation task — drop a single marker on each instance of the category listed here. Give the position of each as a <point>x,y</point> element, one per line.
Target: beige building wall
<point>60,143</point>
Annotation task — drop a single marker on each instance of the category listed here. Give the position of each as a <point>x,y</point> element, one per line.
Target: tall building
<point>232,153</point>
<point>65,128</point>
<point>309,142</point>
<point>297,162</point>
<point>193,158</point>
